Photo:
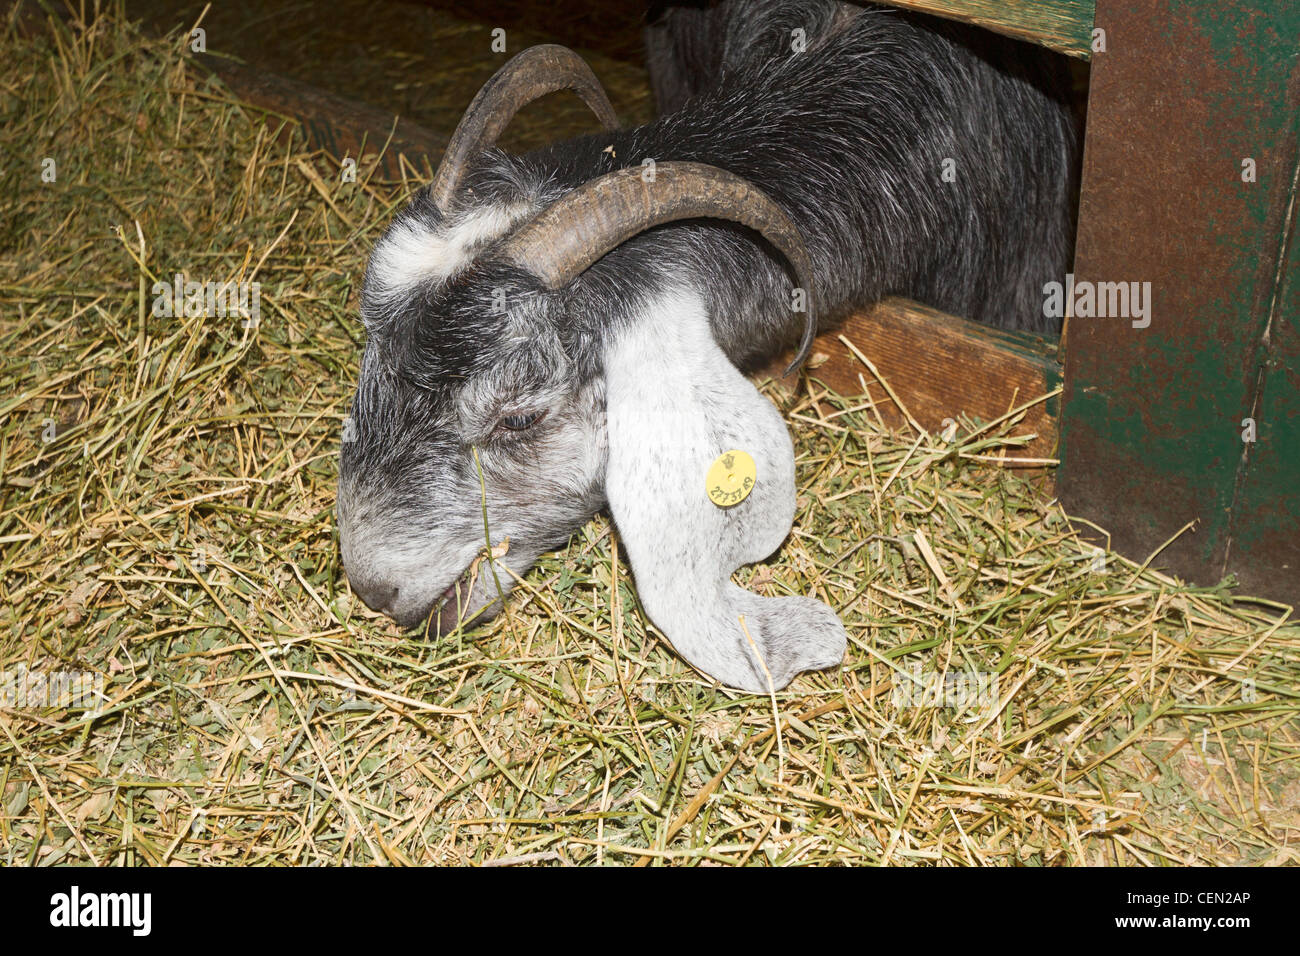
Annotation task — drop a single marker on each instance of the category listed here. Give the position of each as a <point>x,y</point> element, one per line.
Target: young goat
<point>554,333</point>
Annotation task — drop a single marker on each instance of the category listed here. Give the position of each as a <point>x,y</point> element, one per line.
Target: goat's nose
<point>378,594</point>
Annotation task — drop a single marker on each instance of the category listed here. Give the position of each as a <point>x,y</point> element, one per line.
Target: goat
<point>564,331</point>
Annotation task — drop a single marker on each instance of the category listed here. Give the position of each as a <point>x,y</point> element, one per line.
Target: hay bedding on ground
<point>174,535</point>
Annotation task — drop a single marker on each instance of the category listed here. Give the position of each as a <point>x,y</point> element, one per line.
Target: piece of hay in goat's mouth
<point>166,524</point>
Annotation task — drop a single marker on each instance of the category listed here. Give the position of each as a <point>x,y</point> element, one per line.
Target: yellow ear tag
<point>731,478</point>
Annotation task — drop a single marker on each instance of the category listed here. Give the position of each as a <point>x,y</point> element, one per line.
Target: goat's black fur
<point>850,137</point>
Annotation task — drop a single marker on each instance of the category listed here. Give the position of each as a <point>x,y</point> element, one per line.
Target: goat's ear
<point>675,404</point>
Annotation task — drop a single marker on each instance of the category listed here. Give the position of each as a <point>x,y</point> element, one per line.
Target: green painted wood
<point>1263,547</point>
<point>1064,25</point>
<point>1151,430</point>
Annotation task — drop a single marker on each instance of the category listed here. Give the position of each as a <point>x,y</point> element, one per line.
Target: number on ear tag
<point>731,478</point>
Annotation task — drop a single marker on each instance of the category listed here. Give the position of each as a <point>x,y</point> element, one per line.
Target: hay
<point>165,519</point>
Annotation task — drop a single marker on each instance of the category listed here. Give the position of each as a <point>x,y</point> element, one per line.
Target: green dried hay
<point>175,536</point>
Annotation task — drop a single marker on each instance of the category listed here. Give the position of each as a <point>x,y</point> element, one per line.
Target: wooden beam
<point>328,121</point>
<point>941,368</point>
<point>1064,25</point>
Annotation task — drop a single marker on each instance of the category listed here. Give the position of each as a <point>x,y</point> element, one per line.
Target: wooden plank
<point>330,122</point>
<point>1151,431</point>
<point>1063,25</point>
<point>941,368</point>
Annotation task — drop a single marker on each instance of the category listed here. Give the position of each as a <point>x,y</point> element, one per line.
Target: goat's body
<point>852,137</point>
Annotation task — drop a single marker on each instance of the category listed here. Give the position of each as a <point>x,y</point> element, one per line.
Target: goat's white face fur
<point>411,252</point>
<point>638,436</point>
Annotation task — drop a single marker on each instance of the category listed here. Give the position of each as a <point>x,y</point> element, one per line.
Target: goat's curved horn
<point>568,236</point>
<point>527,76</point>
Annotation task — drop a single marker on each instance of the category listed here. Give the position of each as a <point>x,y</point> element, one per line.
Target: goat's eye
<point>518,423</point>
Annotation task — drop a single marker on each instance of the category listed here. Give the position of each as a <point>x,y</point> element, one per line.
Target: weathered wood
<point>1263,546</point>
<point>941,368</point>
<point>1064,25</point>
<point>330,122</point>
<point>1152,429</point>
